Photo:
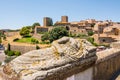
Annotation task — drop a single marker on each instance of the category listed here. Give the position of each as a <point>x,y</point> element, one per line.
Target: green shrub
<point>27,36</point>
<point>90,33</point>
<point>8,59</point>
<point>45,42</point>
<point>95,44</point>
<point>91,40</point>
<point>37,47</point>
<point>82,35</point>
<point>25,31</point>
<point>45,36</point>
<point>12,53</point>
<point>4,37</point>
<point>72,35</point>
<point>6,52</point>
<point>0,39</point>
<point>15,39</point>
<point>17,53</point>
<point>34,41</point>
<point>55,33</point>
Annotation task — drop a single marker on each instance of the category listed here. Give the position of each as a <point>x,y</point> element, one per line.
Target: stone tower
<point>64,19</point>
<point>47,21</point>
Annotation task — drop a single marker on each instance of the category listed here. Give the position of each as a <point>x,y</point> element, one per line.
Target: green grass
<point>26,40</point>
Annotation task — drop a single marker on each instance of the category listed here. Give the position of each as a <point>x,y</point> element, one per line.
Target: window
<point>103,40</point>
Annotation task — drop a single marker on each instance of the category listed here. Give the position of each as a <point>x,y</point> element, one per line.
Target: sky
<point>15,14</point>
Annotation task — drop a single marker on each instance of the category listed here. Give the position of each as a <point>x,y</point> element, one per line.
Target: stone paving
<point>2,55</point>
<point>118,78</point>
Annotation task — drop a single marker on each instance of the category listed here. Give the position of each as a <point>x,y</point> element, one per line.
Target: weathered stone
<point>115,45</point>
<point>65,55</point>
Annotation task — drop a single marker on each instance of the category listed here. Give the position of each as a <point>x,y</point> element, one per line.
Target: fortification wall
<point>9,34</point>
<point>22,48</point>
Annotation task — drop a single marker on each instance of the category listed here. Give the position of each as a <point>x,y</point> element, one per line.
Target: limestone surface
<point>39,64</point>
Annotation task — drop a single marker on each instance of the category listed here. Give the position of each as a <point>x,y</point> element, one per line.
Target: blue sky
<point>18,13</point>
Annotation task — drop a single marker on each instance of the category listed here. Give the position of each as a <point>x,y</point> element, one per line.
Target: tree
<point>54,34</point>
<point>45,36</point>
<point>35,24</point>
<point>90,33</point>
<point>25,31</point>
<point>91,40</point>
<point>50,22</point>
<point>0,40</point>
<point>4,37</point>
<point>1,34</point>
<point>37,47</point>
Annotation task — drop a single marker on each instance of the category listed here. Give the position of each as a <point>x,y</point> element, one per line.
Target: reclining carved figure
<point>62,53</point>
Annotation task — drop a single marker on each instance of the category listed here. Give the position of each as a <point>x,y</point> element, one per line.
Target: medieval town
<point>80,40</point>
<point>59,40</point>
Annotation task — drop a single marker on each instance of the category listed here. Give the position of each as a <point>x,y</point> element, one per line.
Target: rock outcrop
<point>65,55</point>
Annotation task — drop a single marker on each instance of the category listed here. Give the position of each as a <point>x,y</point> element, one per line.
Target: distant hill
<point>10,30</point>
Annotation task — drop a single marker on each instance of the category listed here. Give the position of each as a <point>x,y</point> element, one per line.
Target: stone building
<point>82,27</point>
<point>91,21</point>
<point>104,39</point>
<point>63,22</point>
<point>41,29</point>
<point>107,34</point>
<point>47,25</point>
<point>99,27</point>
<point>112,30</point>
<point>64,18</point>
<point>76,28</point>
<point>47,21</point>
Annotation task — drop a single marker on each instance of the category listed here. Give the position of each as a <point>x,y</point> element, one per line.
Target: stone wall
<point>22,48</point>
<point>107,65</point>
<point>9,34</point>
<point>85,75</point>
<point>105,68</point>
<point>37,36</point>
